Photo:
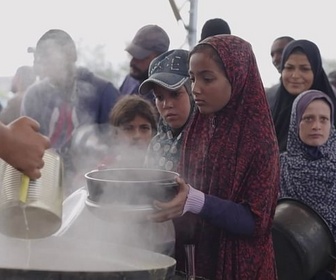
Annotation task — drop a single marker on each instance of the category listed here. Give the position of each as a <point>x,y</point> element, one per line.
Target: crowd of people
<point>203,113</point>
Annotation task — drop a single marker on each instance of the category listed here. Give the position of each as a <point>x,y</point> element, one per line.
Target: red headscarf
<point>233,154</point>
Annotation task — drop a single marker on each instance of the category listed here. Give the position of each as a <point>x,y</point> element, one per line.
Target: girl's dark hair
<point>130,106</point>
<point>206,48</point>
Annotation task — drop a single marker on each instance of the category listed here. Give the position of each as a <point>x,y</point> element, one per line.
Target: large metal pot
<point>303,243</point>
<point>64,259</point>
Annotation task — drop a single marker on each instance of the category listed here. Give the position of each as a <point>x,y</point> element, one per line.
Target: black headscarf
<point>283,104</point>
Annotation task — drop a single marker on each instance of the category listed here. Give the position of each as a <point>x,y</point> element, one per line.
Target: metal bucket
<point>31,208</point>
<point>303,243</point>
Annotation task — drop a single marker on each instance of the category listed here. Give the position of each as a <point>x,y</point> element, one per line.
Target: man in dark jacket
<point>149,42</point>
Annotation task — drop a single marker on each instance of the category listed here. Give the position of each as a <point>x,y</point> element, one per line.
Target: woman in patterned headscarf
<point>230,161</point>
<point>301,70</point>
<point>308,168</point>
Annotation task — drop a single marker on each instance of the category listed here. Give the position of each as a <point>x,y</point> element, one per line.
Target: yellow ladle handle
<point>24,188</point>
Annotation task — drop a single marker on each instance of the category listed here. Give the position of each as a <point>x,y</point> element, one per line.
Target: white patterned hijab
<point>309,179</point>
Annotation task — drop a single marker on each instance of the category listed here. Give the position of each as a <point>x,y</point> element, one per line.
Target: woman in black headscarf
<point>301,70</point>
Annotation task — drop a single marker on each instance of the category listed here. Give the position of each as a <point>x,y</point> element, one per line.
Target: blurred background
<point>102,28</point>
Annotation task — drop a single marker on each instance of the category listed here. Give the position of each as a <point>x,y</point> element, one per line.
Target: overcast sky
<point>114,23</point>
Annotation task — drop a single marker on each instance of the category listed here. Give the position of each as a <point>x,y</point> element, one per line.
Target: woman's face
<point>173,106</point>
<point>297,75</point>
<point>137,133</point>
<point>211,88</point>
<point>315,124</point>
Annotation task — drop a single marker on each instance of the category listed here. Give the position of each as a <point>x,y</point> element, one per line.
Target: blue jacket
<point>59,113</point>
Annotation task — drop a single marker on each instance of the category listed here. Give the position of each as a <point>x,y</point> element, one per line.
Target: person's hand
<point>174,208</point>
<point>23,147</point>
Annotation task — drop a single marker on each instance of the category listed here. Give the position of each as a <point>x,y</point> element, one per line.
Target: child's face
<point>210,87</point>
<point>174,106</point>
<point>137,132</point>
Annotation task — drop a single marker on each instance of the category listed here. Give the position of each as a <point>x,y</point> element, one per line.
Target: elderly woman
<point>134,122</point>
<point>308,168</point>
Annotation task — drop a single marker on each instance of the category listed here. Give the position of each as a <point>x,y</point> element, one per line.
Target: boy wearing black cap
<point>170,82</point>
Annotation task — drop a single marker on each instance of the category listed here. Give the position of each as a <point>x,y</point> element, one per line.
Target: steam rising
<point>125,225</point>
<point>103,219</point>
<point>56,254</point>
<point>96,147</point>
<point>83,223</point>
<point>88,231</point>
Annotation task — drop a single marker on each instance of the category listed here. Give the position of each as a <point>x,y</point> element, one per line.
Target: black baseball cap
<point>169,70</point>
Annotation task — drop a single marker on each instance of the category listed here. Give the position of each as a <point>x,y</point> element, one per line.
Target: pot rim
<point>89,174</point>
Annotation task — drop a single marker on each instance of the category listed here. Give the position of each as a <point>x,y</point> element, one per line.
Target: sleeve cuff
<point>195,201</point>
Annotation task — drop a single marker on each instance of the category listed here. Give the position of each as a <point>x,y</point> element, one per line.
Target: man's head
<point>55,55</point>
<point>277,48</point>
<point>213,27</point>
<point>149,42</point>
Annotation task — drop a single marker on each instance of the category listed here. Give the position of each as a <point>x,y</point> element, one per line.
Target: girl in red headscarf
<point>229,168</point>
